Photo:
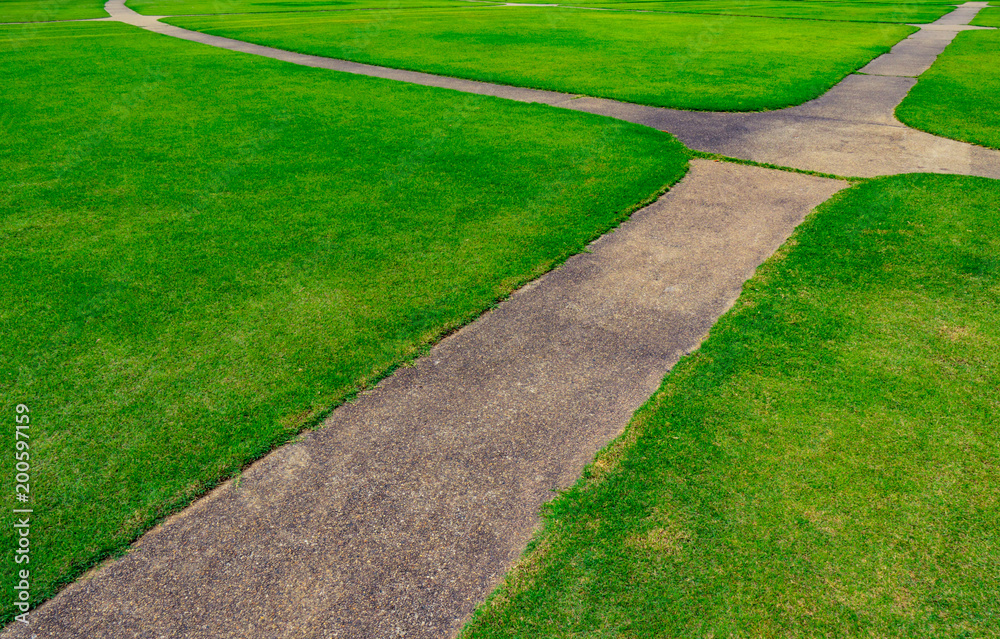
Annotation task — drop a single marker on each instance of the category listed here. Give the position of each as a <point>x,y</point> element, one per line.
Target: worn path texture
<point>402,513</point>
<point>399,516</point>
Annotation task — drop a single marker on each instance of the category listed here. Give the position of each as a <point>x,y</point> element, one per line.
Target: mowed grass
<point>826,465</point>
<point>987,18</point>
<point>959,96</point>
<point>799,9</point>
<point>48,10</point>
<point>203,252</point>
<point>181,7</point>
<point>718,63</point>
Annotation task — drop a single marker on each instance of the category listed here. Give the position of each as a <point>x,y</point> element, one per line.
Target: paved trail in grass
<point>400,515</point>
<point>851,130</point>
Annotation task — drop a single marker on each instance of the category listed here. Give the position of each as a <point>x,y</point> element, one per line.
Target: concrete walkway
<point>400,515</point>
<point>405,510</point>
<point>851,130</point>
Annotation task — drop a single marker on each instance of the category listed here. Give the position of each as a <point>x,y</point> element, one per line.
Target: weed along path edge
<point>851,130</point>
<point>401,514</point>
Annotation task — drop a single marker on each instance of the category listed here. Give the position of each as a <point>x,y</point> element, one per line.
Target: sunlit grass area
<point>49,10</point>
<point>181,7</point>
<point>686,61</point>
<point>959,96</point>
<point>825,465</point>
<point>204,252</point>
<point>799,9</point>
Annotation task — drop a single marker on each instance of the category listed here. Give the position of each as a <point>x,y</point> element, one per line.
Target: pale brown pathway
<point>401,514</point>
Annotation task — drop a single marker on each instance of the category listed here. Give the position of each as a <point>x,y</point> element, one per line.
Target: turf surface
<point>819,9</point>
<point>204,251</point>
<point>181,7</point>
<point>714,63</point>
<point>48,10</point>
<point>638,4</point>
<point>959,96</point>
<point>825,466</point>
<point>989,17</point>
<point>799,9</point>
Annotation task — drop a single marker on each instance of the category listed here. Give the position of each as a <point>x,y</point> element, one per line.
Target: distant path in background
<point>405,510</point>
<point>851,130</point>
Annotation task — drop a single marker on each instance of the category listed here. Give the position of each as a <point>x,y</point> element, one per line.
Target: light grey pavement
<point>44,22</point>
<point>402,513</point>
<point>851,130</point>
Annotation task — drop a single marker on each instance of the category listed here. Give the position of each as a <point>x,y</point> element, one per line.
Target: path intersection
<point>401,514</point>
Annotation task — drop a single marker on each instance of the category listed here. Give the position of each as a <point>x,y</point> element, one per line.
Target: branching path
<point>851,130</point>
<point>400,515</point>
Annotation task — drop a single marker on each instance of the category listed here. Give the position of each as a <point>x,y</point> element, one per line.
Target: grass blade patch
<point>702,62</point>
<point>959,97</point>
<point>203,252</point>
<point>825,465</point>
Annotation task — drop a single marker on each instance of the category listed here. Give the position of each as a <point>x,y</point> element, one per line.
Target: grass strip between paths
<point>204,252</point>
<point>989,17</point>
<point>181,7</point>
<point>825,465</point>
<point>715,63</point>
<point>799,9</point>
<point>959,96</point>
<point>861,4</point>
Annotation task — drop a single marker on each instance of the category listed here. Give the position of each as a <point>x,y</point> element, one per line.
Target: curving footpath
<point>401,514</point>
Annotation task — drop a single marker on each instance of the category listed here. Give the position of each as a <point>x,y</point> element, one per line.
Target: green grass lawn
<point>800,9</point>
<point>825,466</point>
<point>638,4</point>
<point>180,7</point>
<point>987,18</point>
<point>959,97</point>
<point>684,61</point>
<point>204,251</point>
<point>47,10</point>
